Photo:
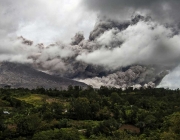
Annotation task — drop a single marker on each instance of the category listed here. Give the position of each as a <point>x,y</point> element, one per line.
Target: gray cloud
<point>164,10</point>
<point>44,21</point>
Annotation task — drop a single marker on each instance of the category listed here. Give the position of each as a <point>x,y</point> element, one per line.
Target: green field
<point>37,99</point>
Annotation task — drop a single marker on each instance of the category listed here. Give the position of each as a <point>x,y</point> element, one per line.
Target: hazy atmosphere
<point>99,42</point>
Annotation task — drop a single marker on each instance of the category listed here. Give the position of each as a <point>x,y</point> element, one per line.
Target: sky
<point>59,20</point>
<point>45,21</point>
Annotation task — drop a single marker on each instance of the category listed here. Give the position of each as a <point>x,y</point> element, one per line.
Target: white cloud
<point>143,43</point>
<point>14,51</point>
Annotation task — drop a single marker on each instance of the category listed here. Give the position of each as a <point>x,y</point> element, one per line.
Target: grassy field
<point>37,99</point>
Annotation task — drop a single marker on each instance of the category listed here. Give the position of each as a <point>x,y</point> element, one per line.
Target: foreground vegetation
<point>89,114</point>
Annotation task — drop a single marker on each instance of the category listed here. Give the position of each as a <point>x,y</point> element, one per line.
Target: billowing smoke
<point>132,43</point>
<point>108,58</point>
<point>77,39</point>
<point>135,75</point>
<point>146,42</point>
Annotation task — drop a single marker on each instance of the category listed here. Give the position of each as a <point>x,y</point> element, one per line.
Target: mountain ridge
<point>23,75</point>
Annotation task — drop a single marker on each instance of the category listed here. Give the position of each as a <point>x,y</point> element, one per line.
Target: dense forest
<point>89,114</point>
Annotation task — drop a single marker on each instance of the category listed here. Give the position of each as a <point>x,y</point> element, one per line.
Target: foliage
<point>76,113</point>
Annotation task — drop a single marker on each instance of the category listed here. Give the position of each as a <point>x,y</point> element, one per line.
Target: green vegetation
<point>37,99</point>
<point>89,114</point>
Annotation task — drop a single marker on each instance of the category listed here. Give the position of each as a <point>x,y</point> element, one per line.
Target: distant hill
<point>23,75</point>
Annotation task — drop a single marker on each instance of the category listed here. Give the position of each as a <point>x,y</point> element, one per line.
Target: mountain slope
<point>23,75</point>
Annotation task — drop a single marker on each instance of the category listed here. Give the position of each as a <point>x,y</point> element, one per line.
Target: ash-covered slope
<point>23,75</point>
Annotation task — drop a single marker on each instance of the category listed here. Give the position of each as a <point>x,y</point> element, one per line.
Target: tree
<point>150,121</point>
<point>27,126</point>
<point>81,108</point>
<point>107,127</point>
<point>103,113</point>
<point>56,109</point>
<point>174,122</point>
<point>57,134</point>
<point>115,98</point>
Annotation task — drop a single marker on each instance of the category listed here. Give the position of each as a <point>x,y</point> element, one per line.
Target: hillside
<point>23,75</point>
